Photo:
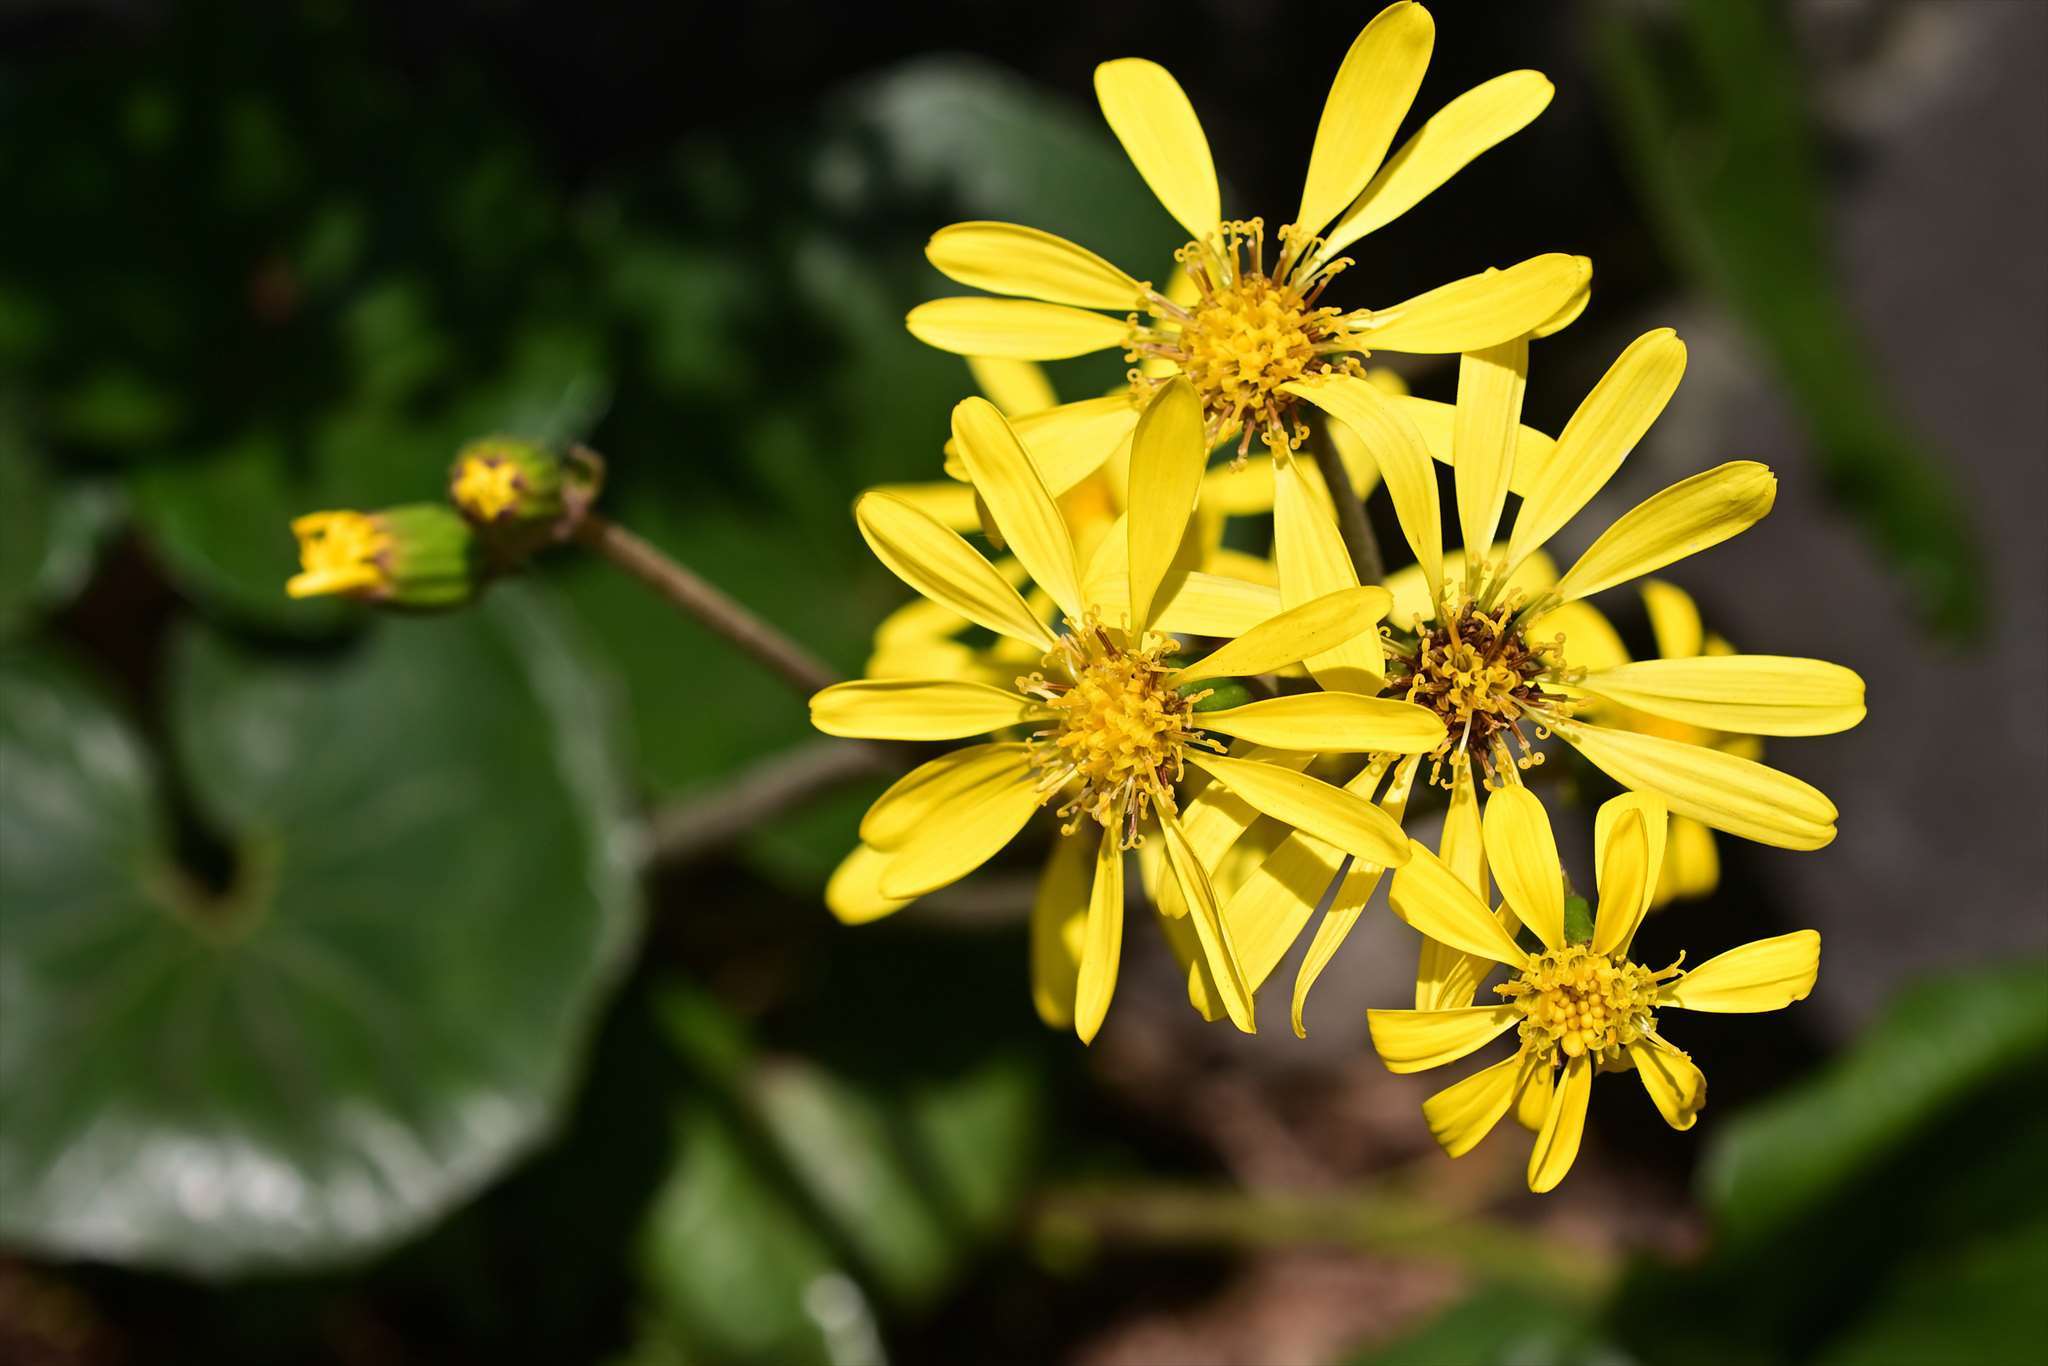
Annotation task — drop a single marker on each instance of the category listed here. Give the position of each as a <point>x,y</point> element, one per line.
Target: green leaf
<point>431,895</point>
<point>26,510</point>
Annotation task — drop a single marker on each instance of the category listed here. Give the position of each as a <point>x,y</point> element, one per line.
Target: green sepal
<point>1578,920</point>
<point>432,561</point>
<point>1223,693</point>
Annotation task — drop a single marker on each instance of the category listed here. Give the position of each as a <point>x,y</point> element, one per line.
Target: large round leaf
<point>432,892</point>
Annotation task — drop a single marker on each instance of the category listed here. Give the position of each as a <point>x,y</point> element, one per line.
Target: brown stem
<point>1351,523</point>
<point>698,599</point>
<point>690,829</point>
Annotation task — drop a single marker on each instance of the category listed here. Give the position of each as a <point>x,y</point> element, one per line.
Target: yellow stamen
<point>1576,1002</point>
<point>486,487</point>
<point>339,552</point>
<point>1478,670</point>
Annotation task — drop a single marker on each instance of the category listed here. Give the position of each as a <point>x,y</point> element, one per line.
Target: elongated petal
<point>1444,976</point>
<point>1218,950</point>
<point>1522,853</point>
<point>1202,604</point>
<point>1532,1102</point>
<point>1436,423</point>
<point>1059,915</point>
<point>1009,482</point>
<point>1068,442</point>
<point>1352,894</point>
<point>1215,818</point>
<point>1168,452</point>
<point>1315,626</point>
<point>1018,387</point>
<point>914,798</point>
<point>1769,974</point>
<point>1404,461</point>
<point>1490,385</point>
<point>916,709</point>
<point>1463,1113</point>
<point>948,501</point>
<point>1691,866</point>
<point>1102,945</point>
<point>1008,258</point>
<point>1437,902</point>
<point>854,893</point>
<point>938,563</point>
<point>1475,121</point>
<point>1729,793</point>
<point>1564,1126</point>
<point>1600,435</point>
<point>961,836</point>
<point>1016,329</point>
<point>1313,564</point>
<point>1332,723</point>
<point>1151,117</point>
<point>1628,853</point>
<point>1743,694</point>
<point>1590,640</point>
<point>1367,102</point>
<point>1674,619</point>
<point>1417,1040</point>
<point>1683,520</point>
<point>1677,1087</point>
<point>1480,310</point>
<point>1311,806</point>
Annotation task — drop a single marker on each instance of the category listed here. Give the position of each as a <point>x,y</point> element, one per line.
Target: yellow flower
<point>1579,1003</point>
<point>340,553</point>
<point>1248,333</point>
<point>421,555</point>
<point>1107,727</point>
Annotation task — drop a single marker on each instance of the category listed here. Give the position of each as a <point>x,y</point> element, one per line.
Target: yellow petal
<point>1212,605</point>
<point>1436,423</point>
<point>1356,889</point>
<point>1018,499</point>
<point>1367,102</point>
<point>1218,951</point>
<point>1058,914</point>
<point>1016,386</point>
<point>1677,1087</point>
<point>1213,820</point>
<point>1737,795</point>
<point>962,835</point>
<point>1296,634</point>
<point>1332,723</point>
<point>1600,435</point>
<point>938,563</point>
<point>1404,461</point>
<point>923,622</point>
<point>1151,117</point>
<point>1674,619</point>
<point>1475,121</point>
<point>1692,866</point>
<point>1414,601</point>
<point>916,709</point>
<point>1417,1040</point>
<point>1465,1112</point>
<point>1590,640</point>
<point>1744,694</point>
<point>1532,1102</point>
<point>1276,897</point>
<point>1478,311</point>
<point>1238,492</point>
<point>1437,902</point>
<point>1314,563</point>
<point>1627,871</point>
<point>1490,384</point>
<point>914,798</point>
<point>1008,258</point>
<point>1068,442</point>
<point>854,894</point>
<point>1016,329</point>
<point>948,501</point>
<point>1444,976</point>
<point>1769,974</point>
<point>1564,1125</point>
<point>1168,451</point>
<point>1522,853</point>
<point>1684,519</point>
<point>1103,943</point>
<point>1311,806</point>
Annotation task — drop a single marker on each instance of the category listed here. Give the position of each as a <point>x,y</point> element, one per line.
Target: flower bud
<point>421,555</point>
<point>505,484</point>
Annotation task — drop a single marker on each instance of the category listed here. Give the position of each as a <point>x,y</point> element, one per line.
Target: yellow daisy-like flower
<point>1578,1002</point>
<point>420,555</point>
<point>1251,330</point>
<point>1106,728</point>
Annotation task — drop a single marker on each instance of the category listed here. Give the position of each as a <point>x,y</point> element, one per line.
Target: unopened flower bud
<point>421,555</point>
<point>504,484</point>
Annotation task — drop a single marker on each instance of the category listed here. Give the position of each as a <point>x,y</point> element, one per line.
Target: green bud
<point>421,555</point>
<point>1578,920</point>
<point>502,483</point>
<point>1223,693</point>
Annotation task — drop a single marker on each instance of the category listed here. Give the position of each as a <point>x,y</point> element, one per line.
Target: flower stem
<point>1351,522</point>
<point>701,825</point>
<point>698,599</point>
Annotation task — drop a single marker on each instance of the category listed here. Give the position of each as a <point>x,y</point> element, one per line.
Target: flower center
<point>1479,672</point>
<point>486,486</point>
<point>1119,729</point>
<point>1248,333</point>
<point>1576,1002</point>
<point>339,552</point>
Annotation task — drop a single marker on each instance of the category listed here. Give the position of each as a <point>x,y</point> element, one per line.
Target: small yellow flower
<point>1254,326</point>
<point>1106,726</point>
<point>421,555</point>
<point>340,553</point>
<point>1578,1002</point>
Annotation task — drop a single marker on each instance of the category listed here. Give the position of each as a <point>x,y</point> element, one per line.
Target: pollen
<point>486,487</point>
<point>1576,1002</point>
<point>1476,668</point>
<point>339,552</point>
<point>1118,730</point>
<point>1248,333</point>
